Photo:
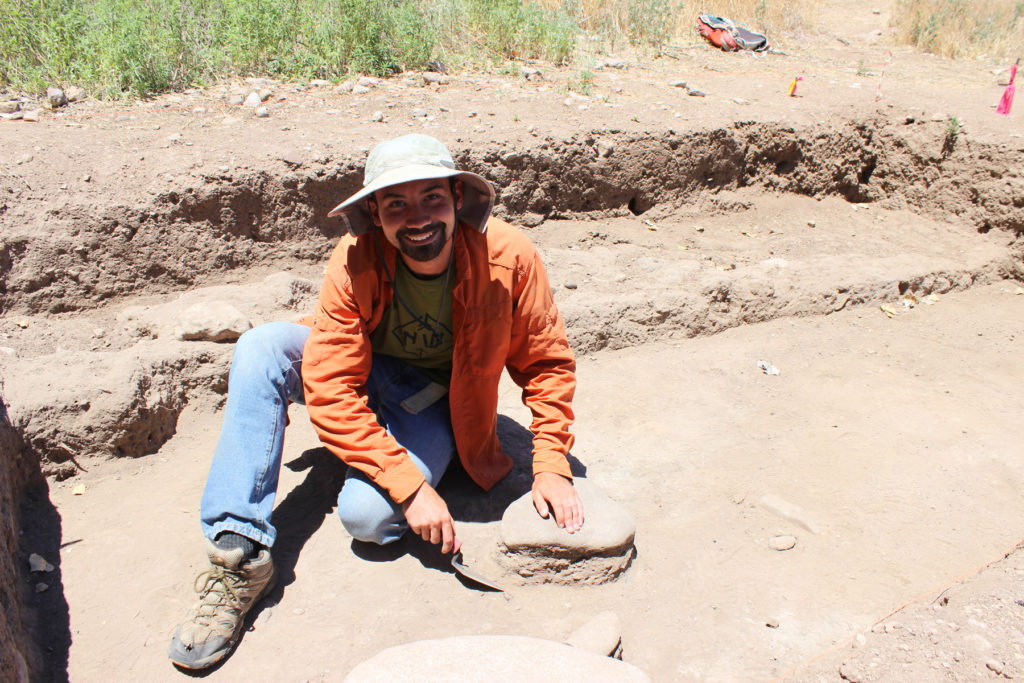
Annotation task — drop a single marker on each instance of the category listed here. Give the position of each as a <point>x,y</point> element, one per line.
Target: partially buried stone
<point>491,658</point>
<point>538,551</point>
<point>55,98</point>
<point>262,113</point>
<point>211,321</point>
<point>602,635</point>
<point>253,100</point>
<point>781,543</point>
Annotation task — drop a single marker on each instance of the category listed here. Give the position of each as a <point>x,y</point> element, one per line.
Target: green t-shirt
<point>417,326</point>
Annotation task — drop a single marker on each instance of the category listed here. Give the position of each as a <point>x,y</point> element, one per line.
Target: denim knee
<point>370,521</point>
<point>270,352</point>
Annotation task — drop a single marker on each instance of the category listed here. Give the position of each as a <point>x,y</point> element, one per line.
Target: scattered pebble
<point>42,587</point>
<point>78,490</point>
<point>252,101</point>
<point>570,285</point>
<point>262,113</point>
<point>30,115</point>
<point>811,224</point>
<point>292,157</point>
<point>531,73</point>
<point>995,665</point>
<point>377,116</point>
<point>319,83</point>
<point>419,113</point>
<point>55,98</point>
<point>436,78</point>
<point>613,63</point>
<point>781,543</point>
<point>677,84</point>
<point>772,623</point>
<point>37,563</point>
<point>693,92</point>
<point>360,90</point>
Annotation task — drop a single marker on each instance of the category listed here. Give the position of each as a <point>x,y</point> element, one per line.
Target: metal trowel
<point>468,573</point>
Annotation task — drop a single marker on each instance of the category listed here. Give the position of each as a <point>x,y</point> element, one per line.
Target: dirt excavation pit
<point>876,272</point>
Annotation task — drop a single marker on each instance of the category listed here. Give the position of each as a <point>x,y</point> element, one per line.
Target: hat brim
<point>477,196</point>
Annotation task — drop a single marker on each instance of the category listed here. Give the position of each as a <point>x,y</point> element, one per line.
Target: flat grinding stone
<point>538,551</point>
<point>492,658</point>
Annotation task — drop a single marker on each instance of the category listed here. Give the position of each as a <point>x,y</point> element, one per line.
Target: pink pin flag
<point>792,86</point>
<point>1006,101</point>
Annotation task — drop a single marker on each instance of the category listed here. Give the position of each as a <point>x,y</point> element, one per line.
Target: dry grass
<point>962,28</point>
<point>674,20</point>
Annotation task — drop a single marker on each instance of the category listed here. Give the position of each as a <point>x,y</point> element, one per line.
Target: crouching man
<point>423,305</point>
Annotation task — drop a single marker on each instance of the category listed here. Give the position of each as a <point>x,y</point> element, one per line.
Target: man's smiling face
<point>418,218</point>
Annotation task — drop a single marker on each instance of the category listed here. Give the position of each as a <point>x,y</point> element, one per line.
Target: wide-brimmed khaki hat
<point>414,157</point>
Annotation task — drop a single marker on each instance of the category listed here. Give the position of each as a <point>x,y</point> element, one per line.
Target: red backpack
<point>725,34</point>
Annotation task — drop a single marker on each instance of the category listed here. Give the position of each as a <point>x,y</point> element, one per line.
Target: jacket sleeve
<point>335,366</point>
<point>541,362</point>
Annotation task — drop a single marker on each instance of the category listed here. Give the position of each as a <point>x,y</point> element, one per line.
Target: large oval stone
<point>492,658</point>
<point>538,551</point>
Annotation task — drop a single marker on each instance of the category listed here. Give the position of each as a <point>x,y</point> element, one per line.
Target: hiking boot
<point>227,591</point>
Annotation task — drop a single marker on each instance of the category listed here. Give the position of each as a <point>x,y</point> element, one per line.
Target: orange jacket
<point>504,317</point>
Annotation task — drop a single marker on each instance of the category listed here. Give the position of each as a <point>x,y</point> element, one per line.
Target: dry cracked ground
<point>869,252</point>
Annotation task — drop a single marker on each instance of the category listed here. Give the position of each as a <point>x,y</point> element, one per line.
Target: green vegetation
<point>962,28</point>
<point>120,48</point>
<point>583,82</point>
<point>134,48</point>
<point>953,130</point>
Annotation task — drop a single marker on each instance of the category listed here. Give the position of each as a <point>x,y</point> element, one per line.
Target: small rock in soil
<point>995,665</point>
<point>602,635</point>
<point>253,100</point>
<point>570,285</point>
<point>781,543</point>
<point>75,94</point>
<point>772,623</point>
<point>292,157</point>
<point>55,98</point>
<point>377,116</point>
<point>360,90</point>
<point>434,77</point>
<point>262,113</point>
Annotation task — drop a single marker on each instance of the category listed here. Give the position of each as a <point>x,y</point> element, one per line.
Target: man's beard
<point>424,252</point>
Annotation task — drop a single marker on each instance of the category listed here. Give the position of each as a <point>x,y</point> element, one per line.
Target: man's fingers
<point>540,504</point>
<point>447,537</point>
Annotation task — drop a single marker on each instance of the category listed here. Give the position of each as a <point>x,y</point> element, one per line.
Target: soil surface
<point>855,239</point>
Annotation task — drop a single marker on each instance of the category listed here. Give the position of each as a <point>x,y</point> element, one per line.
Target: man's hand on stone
<point>428,517</point>
<point>556,493</point>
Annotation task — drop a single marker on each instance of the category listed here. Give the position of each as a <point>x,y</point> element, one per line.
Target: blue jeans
<point>265,377</point>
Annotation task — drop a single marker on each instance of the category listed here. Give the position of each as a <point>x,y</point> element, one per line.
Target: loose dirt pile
<point>688,239</point>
